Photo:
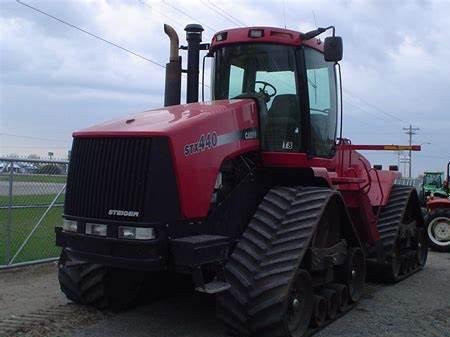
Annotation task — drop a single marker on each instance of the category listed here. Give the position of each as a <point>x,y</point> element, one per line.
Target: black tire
<point>264,267</point>
<point>98,286</point>
<point>434,218</point>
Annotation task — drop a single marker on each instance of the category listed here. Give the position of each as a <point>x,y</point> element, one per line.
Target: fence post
<point>10,208</point>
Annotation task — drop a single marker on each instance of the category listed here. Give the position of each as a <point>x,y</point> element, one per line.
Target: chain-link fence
<point>31,204</point>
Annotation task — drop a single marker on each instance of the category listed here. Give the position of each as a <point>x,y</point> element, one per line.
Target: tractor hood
<point>170,120</point>
<point>200,137</point>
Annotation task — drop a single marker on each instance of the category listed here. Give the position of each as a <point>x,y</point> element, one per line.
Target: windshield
<point>269,70</point>
<point>433,179</point>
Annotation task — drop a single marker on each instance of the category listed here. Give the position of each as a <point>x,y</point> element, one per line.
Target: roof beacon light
<point>256,33</point>
<point>221,37</point>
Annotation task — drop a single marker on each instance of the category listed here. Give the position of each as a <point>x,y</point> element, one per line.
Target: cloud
<point>56,79</point>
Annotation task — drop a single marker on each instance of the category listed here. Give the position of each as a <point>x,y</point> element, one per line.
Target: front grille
<point>116,174</point>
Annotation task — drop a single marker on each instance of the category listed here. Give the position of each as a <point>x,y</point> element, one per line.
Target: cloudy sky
<point>55,79</point>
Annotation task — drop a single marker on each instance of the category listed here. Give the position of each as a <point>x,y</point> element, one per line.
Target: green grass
<point>37,199</point>
<point>41,244</point>
<point>36,178</point>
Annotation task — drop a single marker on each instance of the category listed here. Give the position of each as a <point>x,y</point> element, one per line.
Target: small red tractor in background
<point>253,194</point>
<point>437,219</point>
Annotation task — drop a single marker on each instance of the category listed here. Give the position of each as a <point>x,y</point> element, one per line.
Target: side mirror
<point>333,48</point>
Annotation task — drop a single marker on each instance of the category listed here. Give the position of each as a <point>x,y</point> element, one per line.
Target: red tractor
<point>252,194</point>
<point>438,219</point>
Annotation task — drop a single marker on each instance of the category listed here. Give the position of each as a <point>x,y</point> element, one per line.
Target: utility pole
<point>410,132</point>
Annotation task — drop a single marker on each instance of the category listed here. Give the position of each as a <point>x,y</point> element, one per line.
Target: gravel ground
<point>32,306</point>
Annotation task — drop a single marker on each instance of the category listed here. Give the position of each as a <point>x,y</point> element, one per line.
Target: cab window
<point>322,103</point>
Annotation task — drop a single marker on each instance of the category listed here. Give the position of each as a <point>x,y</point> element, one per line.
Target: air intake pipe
<point>172,93</point>
<point>194,38</point>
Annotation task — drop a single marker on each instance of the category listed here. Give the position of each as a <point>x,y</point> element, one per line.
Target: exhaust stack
<point>172,93</point>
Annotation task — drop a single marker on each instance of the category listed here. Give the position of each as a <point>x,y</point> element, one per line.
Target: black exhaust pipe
<point>172,93</point>
<point>194,38</point>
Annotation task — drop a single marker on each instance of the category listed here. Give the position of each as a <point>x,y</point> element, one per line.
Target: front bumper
<point>131,254</point>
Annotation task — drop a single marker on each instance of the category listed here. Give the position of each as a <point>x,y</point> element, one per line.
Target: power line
<point>222,13</point>
<point>90,34</point>
<point>152,8</point>
<point>31,137</point>
<point>375,107</point>
<point>93,35</point>
<point>239,22</point>
<point>366,111</point>
<point>186,14</point>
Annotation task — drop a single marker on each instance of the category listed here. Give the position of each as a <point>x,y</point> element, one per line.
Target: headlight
<point>70,225</point>
<point>136,233</point>
<point>96,229</point>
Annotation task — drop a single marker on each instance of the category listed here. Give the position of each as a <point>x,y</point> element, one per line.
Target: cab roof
<point>267,35</point>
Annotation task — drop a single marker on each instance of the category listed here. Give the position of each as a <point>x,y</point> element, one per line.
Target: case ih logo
<point>119,212</point>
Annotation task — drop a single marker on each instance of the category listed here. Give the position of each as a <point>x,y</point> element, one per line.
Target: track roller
<point>332,299</point>
<point>342,293</point>
<point>320,311</point>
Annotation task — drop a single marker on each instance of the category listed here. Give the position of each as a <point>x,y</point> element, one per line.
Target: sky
<point>55,80</point>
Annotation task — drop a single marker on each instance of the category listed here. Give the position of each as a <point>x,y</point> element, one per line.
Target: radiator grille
<point>109,173</point>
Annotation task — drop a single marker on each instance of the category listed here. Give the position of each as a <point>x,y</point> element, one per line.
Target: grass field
<point>38,199</point>
<point>35,178</point>
<point>42,243</point>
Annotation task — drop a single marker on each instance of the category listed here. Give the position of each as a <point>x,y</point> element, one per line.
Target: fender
<point>438,203</point>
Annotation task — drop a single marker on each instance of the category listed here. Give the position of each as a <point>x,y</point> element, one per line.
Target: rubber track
<point>82,282</point>
<point>391,216</point>
<point>388,226</point>
<point>266,260</point>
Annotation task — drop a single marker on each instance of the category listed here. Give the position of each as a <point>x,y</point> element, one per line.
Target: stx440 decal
<point>204,143</point>
<point>211,140</point>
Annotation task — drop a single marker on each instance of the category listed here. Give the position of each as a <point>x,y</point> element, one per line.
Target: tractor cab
<point>295,86</point>
<point>434,185</point>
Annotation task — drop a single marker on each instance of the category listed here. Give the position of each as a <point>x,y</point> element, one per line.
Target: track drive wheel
<point>96,285</point>
<point>438,229</point>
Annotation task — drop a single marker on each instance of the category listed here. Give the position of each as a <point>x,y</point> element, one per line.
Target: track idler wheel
<point>395,262</point>
<point>342,293</point>
<point>353,274</point>
<point>320,311</point>
<point>332,302</point>
<point>413,265</point>
<point>404,269</point>
<point>300,304</point>
<point>422,248</point>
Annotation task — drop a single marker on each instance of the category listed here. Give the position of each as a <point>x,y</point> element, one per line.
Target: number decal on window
<point>287,145</point>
